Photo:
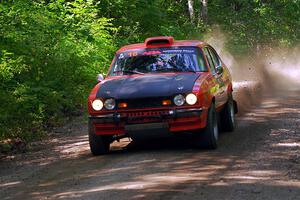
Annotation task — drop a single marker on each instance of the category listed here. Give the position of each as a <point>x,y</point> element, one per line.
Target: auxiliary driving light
<point>97,104</point>
<point>191,99</point>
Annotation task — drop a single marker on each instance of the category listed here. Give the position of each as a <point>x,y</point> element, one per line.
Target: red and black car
<point>161,87</point>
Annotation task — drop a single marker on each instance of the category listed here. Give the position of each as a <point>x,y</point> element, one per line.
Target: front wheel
<point>210,135</point>
<point>99,145</point>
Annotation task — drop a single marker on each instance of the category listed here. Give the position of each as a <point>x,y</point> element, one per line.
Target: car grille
<point>146,116</point>
<point>143,103</point>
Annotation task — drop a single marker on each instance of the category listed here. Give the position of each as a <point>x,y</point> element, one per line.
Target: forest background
<point>51,51</point>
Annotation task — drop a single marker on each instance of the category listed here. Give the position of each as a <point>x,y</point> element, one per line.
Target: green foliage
<point>50,56</point>
<point>257,23</point>
<point>139,19</point>
<point>51,50</point>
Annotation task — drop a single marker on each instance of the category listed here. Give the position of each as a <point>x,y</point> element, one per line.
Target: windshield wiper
<point>175,70</point>
<point>129,71</point>
<point>190,70</point>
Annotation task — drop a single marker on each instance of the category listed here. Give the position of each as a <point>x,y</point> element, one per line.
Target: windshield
<point>179,59</point>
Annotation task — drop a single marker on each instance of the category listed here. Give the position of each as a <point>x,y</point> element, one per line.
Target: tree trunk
<point>204,12</point>
<point>191,10</point>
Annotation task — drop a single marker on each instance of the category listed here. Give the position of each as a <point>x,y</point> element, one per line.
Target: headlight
<point>97,104</point>
<point>179,100</point>
<point>109,104</point>
<point>191,99</point>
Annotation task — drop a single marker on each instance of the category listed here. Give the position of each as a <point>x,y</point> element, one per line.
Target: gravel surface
<point>260,160</point>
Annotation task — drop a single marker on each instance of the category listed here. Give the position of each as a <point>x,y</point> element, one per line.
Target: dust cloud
<point>242,69</point>
<point>283,68</point>
<point>267,71</point>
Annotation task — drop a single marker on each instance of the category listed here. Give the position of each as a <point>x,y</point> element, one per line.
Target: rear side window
<point>215,57</point>
<point>210,60</point>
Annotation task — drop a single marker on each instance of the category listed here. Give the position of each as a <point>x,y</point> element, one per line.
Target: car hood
<point>145,86</point>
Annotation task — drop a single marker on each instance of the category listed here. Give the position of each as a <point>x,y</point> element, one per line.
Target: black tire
<point>99,145</point>
<point>227,116</point>
<point>209,137</point>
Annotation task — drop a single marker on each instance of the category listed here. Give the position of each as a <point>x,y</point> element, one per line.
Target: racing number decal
<point>132,54</point>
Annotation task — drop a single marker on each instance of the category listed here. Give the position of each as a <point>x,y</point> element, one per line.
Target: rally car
<point>162,87</point>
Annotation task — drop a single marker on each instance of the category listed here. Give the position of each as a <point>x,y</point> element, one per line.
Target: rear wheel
<point>209,137</point>
<point>228,116</point>
<point>99,145</point>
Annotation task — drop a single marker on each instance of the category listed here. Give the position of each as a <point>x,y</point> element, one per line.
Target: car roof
<point>172,43</point>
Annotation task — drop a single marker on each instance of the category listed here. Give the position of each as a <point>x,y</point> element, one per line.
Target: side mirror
<point>219,69</point>
<point>100,77</point>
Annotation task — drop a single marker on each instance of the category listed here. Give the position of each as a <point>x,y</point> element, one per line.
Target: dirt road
<point>260,160</point>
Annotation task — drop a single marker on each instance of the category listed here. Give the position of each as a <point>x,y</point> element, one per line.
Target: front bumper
<point>172,120</point>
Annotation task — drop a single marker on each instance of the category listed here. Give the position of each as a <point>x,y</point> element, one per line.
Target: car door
<point>218,85</point>
<point>221,76</point>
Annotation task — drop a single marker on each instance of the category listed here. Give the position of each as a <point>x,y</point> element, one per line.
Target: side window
<point>215,57</point>
<point>201,62</point>
<point>210,60</point>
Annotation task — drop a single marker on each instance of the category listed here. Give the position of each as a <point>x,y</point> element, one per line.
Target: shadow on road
<point>260,160</point>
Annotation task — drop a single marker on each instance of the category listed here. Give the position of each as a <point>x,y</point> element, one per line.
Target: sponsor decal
<point>147,52</point>
<point>214,89</point>
<point>121,56</point>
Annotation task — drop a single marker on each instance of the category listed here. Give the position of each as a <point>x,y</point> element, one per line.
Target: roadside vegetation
<point>51,51</point>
